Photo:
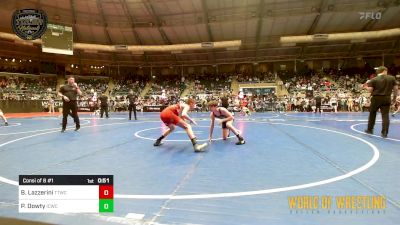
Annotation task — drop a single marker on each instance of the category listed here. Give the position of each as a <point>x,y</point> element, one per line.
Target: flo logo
<point>29,24</point>
<point>370,15</point>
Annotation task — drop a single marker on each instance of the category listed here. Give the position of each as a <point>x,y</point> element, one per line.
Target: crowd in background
<point>267,77</point>
<point>27,87</point>
<point>339,90</point>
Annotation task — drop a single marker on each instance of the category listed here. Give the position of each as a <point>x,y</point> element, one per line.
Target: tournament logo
<point>29,24</point>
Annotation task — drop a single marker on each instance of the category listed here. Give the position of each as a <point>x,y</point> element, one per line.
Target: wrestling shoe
<point>158,142</point>
<point>368,131</point>
<point>6,124</point>
<point>199,148</point>
<point>241,142</point>
<point>77,127</point>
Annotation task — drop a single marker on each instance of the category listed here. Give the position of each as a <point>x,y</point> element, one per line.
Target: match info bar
<point>66,193</point>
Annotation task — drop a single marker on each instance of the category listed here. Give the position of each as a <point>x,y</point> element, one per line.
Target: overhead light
<point>6,60</point>
<point>91,67</point>
<point>207,44</point>
<point>121,47</point>
<point>13,60</point>
<point>341,36</point>
<point>320,37</point>
<point>30,60</point>
<point>140,49</point>
<point>72,65</point>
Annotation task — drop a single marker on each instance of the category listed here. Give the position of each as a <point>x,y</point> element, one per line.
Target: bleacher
<point>169,88</point>
<point>341,84</point>
<point>15,86</point>
<point>123,85</point>
<point>213,85</point>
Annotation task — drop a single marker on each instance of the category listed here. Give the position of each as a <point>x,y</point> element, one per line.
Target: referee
<point>132,104</point>
<point>69,93</point>
<point>381,87</point>
<point>103,105</point>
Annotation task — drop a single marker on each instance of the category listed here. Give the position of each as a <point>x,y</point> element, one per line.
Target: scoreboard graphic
<point>66,194</point>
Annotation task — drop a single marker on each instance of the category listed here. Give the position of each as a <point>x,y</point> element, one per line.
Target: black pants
<point>318,108</point>
<point>382,103</point>
<point>70,107</point>
<point>102,110</point>
<point>132,108</point>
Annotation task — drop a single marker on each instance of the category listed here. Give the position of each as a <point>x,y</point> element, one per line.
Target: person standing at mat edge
<point>175,115</point>
<point>132,104</point>
<point>103,105</point>
<point>318,103</point>
<point>381,88</point>
<point>69,93</point>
